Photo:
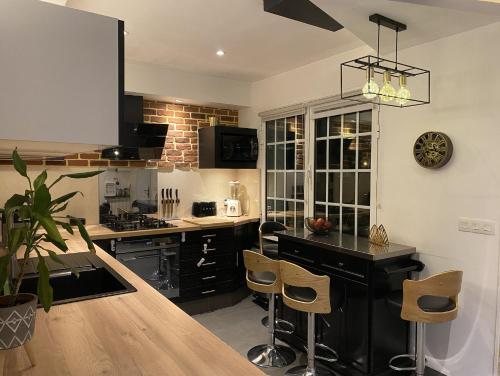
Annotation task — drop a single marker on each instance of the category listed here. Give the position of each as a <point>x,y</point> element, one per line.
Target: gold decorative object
<point>378,235</point>
<point>433,150</point>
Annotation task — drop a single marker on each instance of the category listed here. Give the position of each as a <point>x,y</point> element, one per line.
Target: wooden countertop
<point>139,333</point>
<point>99,232</point>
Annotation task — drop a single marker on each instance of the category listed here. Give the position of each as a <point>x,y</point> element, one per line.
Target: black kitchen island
<point>364,328</point>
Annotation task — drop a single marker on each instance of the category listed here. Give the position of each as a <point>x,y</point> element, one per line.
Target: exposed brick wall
<point>181,147</point>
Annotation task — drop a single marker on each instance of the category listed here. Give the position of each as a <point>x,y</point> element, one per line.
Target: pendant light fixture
<point>383,70</point>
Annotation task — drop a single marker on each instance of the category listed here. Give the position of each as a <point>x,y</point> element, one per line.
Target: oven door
<point>239,148</point>
<point>146,264</point>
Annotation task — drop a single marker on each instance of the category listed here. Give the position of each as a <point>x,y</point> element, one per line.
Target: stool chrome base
<point>409,357</point>
<point>318,370</point>
<point>271,356</point>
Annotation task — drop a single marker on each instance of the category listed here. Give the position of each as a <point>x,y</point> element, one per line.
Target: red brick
<point>174,120</point>
<point>191,109</point>
<point>173,153</point>
<point>149,111</point>
<point>229,119</point>
<point>169,139</point>
<point>4,162</point>
<point>174,107</point>
<point>165,164</point>
<point>182,127</point>
<point>182,140</point>
<point>233,112</point>
<point>194,128</point>
<point>175,158</point>
<point>191,153</point>
<point>191,121</point>
<point>190,159</point>
<point>203,124</point>
<point>152,164</point>
<point>190,134</point>
<point>158,119</point>
<point>181,114</point>
<point>78,162</point>
<point>158,105</point>
<point>183,146</point>
<point>175,134</point>
<point>72,156</point>
<point>206,110</point>
<point>165,113</point>
<point>181,165</point>
<point>99,163</point>
<point>90,155</point>
<point>55,163</point>
<point>221,112</point>
<point>33,162</point>
<point>198,116</point>
<point>194,165</point>
<point>118,163</point>
<point>146,118</point>
<point>138,163</point>
<point>169,146</point>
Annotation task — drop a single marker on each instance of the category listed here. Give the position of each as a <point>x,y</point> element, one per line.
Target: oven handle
<point>137,257</point>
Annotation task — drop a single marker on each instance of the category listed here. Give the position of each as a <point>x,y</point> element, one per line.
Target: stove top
<point>133,222</point>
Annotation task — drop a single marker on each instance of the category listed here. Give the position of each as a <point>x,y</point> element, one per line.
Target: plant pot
<point>17,323</point>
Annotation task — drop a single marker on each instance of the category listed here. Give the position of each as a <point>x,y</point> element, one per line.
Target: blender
<point>233,203</point>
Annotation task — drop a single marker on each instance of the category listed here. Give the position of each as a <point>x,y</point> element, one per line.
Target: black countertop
<point>347,244</point>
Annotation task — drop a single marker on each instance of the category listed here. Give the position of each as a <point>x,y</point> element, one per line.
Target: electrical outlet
<point>477,226</point>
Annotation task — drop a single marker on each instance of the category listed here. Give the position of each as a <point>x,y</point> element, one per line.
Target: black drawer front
<point>296,252</point>
<point>207,279</point>
<point>208,290</point>
<point>211,263</point>
<point>344,265</point>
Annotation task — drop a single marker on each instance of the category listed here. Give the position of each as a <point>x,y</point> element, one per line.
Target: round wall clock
<point>433,150</point>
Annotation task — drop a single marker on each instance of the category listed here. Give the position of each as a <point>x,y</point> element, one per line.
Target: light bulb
<point>371,89</point>
<point>387,93</point>
<point>403,93</point>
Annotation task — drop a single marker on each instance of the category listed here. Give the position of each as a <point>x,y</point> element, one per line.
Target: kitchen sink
<point>97,279</point>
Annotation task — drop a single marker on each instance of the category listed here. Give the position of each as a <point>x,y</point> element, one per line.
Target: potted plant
<point>37,227</point>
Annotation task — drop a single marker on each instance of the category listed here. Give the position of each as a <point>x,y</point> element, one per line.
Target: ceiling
<point>186,34</point>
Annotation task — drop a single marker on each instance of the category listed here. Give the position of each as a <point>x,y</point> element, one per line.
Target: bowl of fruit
<point>319,226</point>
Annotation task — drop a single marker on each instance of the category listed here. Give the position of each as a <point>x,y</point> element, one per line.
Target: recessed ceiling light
<point>220,53</point>
<point>125,32</point>
<point>178,101</point>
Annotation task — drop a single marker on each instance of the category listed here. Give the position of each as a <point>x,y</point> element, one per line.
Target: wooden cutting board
<point>204,222</point>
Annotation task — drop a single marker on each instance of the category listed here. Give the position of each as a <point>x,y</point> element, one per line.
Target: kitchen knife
<point>177,202</point>
<point>171,203</point>
<point>167,203</point>
<point>162,202</point>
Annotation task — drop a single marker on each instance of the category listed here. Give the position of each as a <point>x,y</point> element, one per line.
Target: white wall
<point>58,73</point>
<point>166,83</point>
<point>421,207</point>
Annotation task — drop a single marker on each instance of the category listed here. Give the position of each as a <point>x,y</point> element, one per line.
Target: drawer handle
<point>207,278</point>
<point>208,236</point>
<point>207,292</point>
<point>309,261</point>
<point>209,263</point>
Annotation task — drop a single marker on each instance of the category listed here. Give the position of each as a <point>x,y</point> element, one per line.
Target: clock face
<point>433,150</point>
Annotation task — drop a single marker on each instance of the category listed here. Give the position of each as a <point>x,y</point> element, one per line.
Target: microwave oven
<point>228,147</point>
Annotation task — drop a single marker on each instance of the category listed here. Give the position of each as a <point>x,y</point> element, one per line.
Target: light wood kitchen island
<point>140,333</point>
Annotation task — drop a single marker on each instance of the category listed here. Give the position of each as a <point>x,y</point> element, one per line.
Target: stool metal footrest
<point>322,346</point>
<point>271,356</point>
<point>409,357</point>
<point>280,326</point>
<point>318,370</point>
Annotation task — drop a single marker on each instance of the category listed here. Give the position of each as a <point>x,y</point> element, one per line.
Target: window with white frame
<point>342,169</point>
<point>284,174</point>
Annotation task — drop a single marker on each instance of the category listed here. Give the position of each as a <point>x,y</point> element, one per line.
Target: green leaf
<point>66,226</point>
<point>85,235</point>
<point>44,289</point>
<point>57,259</point>
<point>4,272</point>
<point>40,179</point>
<point>15,239</point>
<point>64,198</point>
<point>78,175</point>
<point>42,200</point>
<point>53,234</point>
<point>19,164</point>
<point>15,200</point>
<point>59,209</point>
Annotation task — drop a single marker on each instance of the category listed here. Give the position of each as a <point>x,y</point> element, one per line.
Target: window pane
<point>363,222</point>
<point>365,121</point>
<point>280,184</point>
<point>290,214</point>
<point>270,184</point>
<point>321,127</point>
<point>334,217</point>
<point>319,211</point>
<point>347,220</point>
<point>335,125</point>
<point>334,187</point>
<point>270,210</point>
<point>365,152</point>
<point>349,124</point>
<point>270,131</point>
<point>349,161</point>
<point>320,187</point>
<point>280,157</point>
<point>321,155</point>
<point>280,211</point>
<point>300,127</point>
<point>299,158</point>
<point>348,188</point>
<point>334,154</point>
<point>280,130</point>
<point>299,185</point>
<point>299,206</point>
<point>270,157</point>
<point>290,156</point>
<point>290,128</point>
<point>364,188</point>
<point>290,185</point>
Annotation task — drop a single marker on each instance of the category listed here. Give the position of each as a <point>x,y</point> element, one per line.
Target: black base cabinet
<point>363,328</point>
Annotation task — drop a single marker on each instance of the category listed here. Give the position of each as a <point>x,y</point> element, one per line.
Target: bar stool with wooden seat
<point>306,292</point>
<point>428,301</point>
<point>269,249</point>
<point>263,275</point>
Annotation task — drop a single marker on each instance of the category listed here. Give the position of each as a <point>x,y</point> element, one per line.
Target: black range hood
<point>138,140</point>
